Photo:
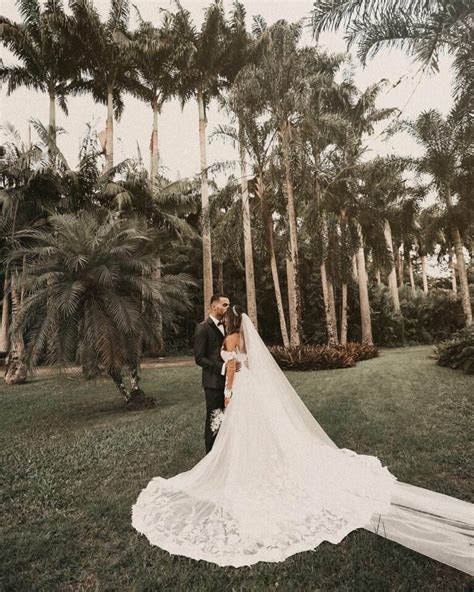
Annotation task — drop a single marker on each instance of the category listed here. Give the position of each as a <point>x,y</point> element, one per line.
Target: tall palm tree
<point>256,133</point>
<point>199,60</point>
<point>281,77</point>
<point>151,50</point>
<point>344,192</point>
<point>240,51</point>
<point>107,70</point>
<point>43,45</point>
<point>446,142</point>
<point>322,124</point>
<point>101,297</point>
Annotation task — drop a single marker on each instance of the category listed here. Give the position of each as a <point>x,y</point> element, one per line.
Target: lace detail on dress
<point>269,521</point>
<point>268,488</point>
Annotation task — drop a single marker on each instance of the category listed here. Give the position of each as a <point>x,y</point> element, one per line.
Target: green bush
<point>321,357</point>
<point>425,318</point>
<point>430,318</point>
<point>458,352</point>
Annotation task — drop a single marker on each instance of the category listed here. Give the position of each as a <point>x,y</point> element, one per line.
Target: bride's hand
<point>232,363</point>
<point>226,401</point>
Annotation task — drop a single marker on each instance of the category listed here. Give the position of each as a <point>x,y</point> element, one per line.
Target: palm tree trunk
<point>354,268</point>
<point>268,225</point>
<point>332,306</point>
<point>392,276</point>
<point>330,329</point>
<point>293,284</point>
<point>109,130</point>
<point>343,340</point>
<point>248,250</point>
<point>401,265</point>
<point>4,340</point>
<point>159,319</point>
<point>278,298</point>
<point>220,277</point>
<point>206,223</point>
<point>378,277</point>
<point>412,277</point>
<point>154,154</point>
<point>463,283</point>
<point>117,377</point>
<point>154,164</point>
<point>365,318</point>
<point>292,302</point>
<point>423,274</point>
<point>452,267</point>
<point>52,125</point>
<point>16,370</point>
<point>461,265</point>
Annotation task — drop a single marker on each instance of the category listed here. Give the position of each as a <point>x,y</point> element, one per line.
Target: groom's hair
<point>217,297</point>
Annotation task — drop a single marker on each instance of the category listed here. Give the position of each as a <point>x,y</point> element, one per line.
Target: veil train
<point>436,525</point>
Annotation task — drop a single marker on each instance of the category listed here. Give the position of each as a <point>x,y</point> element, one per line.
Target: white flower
<point>216,419</point>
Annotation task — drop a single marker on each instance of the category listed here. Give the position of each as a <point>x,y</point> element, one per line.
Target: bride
<point>274,484</point>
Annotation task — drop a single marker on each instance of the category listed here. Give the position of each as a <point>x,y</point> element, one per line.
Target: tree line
<point>305,197</point>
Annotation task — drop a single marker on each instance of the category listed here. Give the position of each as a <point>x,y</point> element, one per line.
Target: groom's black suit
<point>207,353</point>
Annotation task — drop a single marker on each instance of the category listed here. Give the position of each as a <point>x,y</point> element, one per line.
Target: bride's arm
<point>231,343</point>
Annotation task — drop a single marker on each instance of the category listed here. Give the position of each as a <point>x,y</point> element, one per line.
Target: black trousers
<point>214,400</point>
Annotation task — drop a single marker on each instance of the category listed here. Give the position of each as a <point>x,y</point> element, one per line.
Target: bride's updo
<point>233,319</point>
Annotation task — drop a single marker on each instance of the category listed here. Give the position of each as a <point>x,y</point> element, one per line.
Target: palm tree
<point>240,51</point>
<point>321,125</point>
<point>199,60</point>
<point>28,189</point>
<point>256,135</point>
<point>44,46</point>
<point>446,142</point>
<point>151,51</point>
<point>344,189</point>
<point>281,77</point>
<point>100,297</point>
<point>107,70</point>
<point>423,29</point>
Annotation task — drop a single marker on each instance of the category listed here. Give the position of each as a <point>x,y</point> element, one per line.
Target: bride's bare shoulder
<point>232,341</point>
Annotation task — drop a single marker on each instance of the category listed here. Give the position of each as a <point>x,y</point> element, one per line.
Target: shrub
<point>458,352</point>
<point>360,351</point>
<point>321,357</point>
<point>425,318</point>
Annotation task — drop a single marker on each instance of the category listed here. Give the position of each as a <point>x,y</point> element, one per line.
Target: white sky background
<point>178,129</point>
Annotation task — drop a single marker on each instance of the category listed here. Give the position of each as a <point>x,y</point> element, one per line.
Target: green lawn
<point>73,461</point>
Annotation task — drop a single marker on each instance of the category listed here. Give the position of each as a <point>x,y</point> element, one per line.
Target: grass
<point>74,461</point>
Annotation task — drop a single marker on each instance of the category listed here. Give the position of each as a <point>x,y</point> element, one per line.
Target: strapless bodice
<point>230,355</point>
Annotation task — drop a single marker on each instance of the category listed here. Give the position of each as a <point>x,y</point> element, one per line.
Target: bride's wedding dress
<point>274,483</point>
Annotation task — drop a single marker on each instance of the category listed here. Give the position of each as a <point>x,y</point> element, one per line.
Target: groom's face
<point>220,307</point>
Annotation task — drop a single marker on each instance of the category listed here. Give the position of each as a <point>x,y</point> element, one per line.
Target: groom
<point>208,339</point>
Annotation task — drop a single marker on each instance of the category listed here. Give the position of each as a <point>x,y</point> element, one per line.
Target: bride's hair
<point>233,319</point>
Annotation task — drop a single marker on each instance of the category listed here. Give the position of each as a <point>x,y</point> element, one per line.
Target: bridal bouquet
<point>216,419</point>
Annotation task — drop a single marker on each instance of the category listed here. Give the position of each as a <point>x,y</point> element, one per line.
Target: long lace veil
<point>430,523</point>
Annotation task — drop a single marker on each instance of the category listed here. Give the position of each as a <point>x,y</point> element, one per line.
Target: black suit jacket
<point>207,353</point>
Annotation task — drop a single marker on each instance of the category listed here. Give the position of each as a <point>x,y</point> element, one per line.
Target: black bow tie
<point>220,323</point>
